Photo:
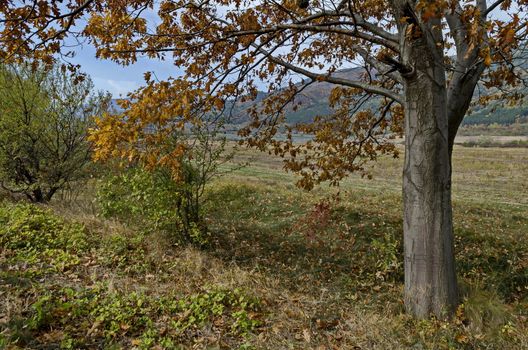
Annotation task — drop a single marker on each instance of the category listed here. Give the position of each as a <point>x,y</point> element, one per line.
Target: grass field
<point>515,129</point>
<point>284,268</point>
<point>491,175</point>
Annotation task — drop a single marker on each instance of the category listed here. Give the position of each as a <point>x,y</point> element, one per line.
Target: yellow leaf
<point>219,104</point>
<point>487,60</point>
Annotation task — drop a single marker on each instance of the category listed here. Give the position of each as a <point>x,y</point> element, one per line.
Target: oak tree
<point>423,59</point>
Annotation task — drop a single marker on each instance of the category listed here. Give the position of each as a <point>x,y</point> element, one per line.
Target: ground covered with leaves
<point>282,269</point>
<point>66,286</point>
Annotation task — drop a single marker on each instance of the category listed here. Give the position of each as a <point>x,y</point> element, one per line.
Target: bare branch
<point>382,68</point>
<point>492,7</point>
<point>335,80</point>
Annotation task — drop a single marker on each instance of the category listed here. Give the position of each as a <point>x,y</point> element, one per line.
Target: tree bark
<point>460,92</point>
<point>430,279</point>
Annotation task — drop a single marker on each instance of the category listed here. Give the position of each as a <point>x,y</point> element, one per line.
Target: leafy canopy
<point>229,48</point>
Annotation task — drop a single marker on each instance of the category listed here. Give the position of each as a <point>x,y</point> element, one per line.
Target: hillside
<point>313,101</point>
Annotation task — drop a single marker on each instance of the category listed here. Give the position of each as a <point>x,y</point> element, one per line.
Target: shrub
<point>152,199</point>
<point>44,118</point>
<point>488,143</point>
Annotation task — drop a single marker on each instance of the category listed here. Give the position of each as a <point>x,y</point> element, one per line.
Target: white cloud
<point>116,87</point>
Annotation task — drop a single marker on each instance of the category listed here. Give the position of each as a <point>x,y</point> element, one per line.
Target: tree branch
<point>382,68</point>
<point>335,80</point>
<point>492,7</point>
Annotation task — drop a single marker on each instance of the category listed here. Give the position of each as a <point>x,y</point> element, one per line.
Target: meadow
<point>282,269</point>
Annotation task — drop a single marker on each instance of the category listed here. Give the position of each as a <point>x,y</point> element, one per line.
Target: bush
<point>152,199</point>
<point>488,142</point>
<point>45,114</point>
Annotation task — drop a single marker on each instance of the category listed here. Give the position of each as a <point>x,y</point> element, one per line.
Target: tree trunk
<point>37,196</point>
<point>430,279</point>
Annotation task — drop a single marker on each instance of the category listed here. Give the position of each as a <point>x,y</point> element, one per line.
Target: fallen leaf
<point>462,338</point>
<point>306,335</point>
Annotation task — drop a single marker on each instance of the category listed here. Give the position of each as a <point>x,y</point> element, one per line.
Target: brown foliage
<point>227,46</point>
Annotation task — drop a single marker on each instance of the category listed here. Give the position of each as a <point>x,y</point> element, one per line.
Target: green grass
<point>65,286</point>
<point>480,175</point>
<point>487,142</point>
<point>285,268</point>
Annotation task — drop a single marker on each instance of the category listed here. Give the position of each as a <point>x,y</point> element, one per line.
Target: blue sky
<point>118,79</point>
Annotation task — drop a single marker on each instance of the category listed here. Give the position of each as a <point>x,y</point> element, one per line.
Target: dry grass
<point>327,277</point>
<point>495,175</point>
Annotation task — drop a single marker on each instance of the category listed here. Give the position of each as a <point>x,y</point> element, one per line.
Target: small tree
<point>44,117</point>
<point>170,165</point>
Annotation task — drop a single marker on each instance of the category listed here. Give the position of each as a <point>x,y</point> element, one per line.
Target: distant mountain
<point>497,115</point>
<point>313,101</point>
